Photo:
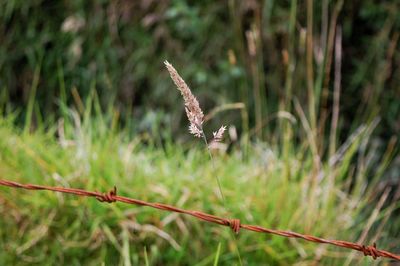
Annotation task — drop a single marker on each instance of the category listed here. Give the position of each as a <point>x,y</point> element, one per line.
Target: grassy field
<point>263,186</point>
<point>307,89</point>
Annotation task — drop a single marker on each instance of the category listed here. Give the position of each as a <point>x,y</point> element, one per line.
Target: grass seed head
<point>219,134</point>
<point>192,107</point>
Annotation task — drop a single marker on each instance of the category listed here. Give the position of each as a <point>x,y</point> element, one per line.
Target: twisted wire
<point>234,224</point>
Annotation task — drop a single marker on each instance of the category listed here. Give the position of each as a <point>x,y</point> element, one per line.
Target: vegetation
<point>309,92</point>
<point>91,153</point>
<point>118,47</point>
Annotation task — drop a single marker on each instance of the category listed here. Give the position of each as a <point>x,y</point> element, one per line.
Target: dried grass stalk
<point>219,134</point>
<point>215,143</point>
<point>192,107</point>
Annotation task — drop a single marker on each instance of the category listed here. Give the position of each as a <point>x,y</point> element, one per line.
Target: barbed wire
<point>234,224</point>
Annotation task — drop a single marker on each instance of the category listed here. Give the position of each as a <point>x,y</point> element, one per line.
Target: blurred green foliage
<point>39,227</point>
<point>253,52</point>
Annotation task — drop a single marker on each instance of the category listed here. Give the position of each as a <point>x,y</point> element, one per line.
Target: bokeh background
<point>305,87</point>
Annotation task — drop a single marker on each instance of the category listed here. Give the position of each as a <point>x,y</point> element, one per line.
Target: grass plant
<point>307,91</point>
<point>89,152</point>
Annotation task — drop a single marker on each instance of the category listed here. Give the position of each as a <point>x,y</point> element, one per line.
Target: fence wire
<point>234,224</point>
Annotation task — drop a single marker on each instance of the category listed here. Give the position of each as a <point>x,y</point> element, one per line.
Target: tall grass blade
<point>216,260</point>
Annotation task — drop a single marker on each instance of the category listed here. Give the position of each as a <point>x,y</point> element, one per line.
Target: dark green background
<point>121,45</point>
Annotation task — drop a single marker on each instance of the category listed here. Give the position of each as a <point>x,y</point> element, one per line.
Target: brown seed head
<point>192,107</point>
<point>219,134</point>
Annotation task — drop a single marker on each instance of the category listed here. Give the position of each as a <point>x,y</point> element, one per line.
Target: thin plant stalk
<point>214,168</point>
<point>196,118</point>
<point>309,65</point>
<point>336,92</point>
<point>233,237</point>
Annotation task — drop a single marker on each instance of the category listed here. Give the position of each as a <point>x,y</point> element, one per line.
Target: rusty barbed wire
<point>234,224</point>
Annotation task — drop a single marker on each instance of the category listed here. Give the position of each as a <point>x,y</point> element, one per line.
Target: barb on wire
<point>234,224</point>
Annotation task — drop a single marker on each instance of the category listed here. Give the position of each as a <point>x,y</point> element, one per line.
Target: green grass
<point>90,152</point>
<point>94,110</point>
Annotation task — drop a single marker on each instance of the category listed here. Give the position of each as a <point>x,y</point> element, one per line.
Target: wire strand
<point>234,224</point>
